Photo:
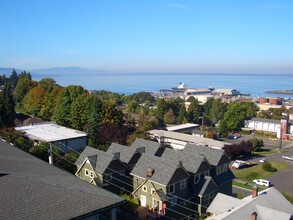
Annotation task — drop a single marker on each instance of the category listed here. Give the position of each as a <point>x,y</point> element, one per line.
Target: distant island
<point>288,92</point>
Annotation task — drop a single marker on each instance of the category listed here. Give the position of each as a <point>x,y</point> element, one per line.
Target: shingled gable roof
<point>271,199</point>
<point>191,162</point>
<point>165,171</point>
<point>213,155</point>
<point>151,147</point>
<point>32,189</point>
<point>101,161</point>
<point>126,153</point>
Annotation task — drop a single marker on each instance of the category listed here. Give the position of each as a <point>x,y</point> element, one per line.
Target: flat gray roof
<point>189,138</point>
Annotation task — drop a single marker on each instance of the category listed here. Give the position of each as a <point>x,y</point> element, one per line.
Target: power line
<point>132,179</point>
<point>180,213</point>
<point>100,164</point>
<point>176,204</point>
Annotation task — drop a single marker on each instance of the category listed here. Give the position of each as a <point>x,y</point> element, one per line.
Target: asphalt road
<point>282,180</point>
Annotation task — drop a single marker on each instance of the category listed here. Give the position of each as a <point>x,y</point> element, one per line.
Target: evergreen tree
<point>194,111</point>
<point>183,115</point>
<point>22,87</point>
<point>7,111</point>
<point>93,129</point>
<point>161,108</point>
<point>13,78</point>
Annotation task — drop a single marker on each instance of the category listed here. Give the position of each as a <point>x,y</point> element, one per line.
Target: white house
<point>63,137</point>
<point>269,204</point>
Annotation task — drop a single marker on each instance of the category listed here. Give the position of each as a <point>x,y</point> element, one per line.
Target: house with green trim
<point>169,182</point>
<point>102,169</point>
<point>160,184</point>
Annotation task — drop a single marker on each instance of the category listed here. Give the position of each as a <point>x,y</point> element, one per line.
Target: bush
<point>268,167</point>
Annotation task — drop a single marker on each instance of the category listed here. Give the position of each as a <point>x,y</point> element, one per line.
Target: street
<point>282,180</point>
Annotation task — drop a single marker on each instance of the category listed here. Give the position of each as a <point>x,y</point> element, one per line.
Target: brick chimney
<point>254,191</point>
<point>253,216</point>
<point>150,172</point>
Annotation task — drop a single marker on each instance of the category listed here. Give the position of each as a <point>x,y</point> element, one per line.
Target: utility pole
<point>50,151</point>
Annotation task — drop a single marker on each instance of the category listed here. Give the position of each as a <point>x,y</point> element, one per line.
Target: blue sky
<point>196,36</point>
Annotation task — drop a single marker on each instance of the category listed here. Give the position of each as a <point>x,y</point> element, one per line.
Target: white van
<point>262,182</point>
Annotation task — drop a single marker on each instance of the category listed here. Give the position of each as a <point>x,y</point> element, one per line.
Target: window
<point>108,177</point>
<point>225,167</point>
<point>221,169</point>
<point>144,188</point>
<point>173,201</point>
<point>196,178</point>
<point>208,199</point>
<point>91,174</point>
<point>152,191</point>
<point>183,184</point>
<point>207,173</point>
<point>86,172</point>
<point>171,188</point>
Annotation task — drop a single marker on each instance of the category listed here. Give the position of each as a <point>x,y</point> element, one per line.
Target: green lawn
<point>268,152</point>
<point>256,172</point>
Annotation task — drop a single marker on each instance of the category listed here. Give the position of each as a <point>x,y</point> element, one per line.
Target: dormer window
<point>222,168</point>
<point>196,178</point>
<point>183,184</point>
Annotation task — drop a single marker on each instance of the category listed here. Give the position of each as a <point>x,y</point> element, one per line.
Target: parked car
<point>263,160</point>
<point>232,136</point>
<point>262,182</point>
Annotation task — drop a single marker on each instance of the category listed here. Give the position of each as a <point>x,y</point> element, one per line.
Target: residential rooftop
<point>33,189</point>
<point>269,204</point>
<point>49,132</point>
<point>164,169</point>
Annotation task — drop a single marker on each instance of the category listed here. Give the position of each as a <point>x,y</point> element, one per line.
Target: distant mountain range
<point>54,71</point>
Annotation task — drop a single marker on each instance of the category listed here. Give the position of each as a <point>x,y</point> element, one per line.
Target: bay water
<point>129,83</point>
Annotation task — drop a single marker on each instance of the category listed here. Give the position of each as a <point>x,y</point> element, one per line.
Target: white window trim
<point>221,169</point>
<point>108,177</point>
<point>152,190</point>
<point>183,184</point>
<point>196,178</point>
<point>86,172</point>
<point>144,188</point>
<point>170,187</point>
<point>91,174</point>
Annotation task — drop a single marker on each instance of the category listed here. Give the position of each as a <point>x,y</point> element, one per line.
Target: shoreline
<point>286,92</point>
